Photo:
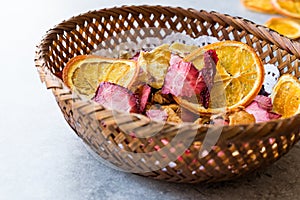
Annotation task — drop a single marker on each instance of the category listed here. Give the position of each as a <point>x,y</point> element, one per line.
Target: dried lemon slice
<point>239,77</point>
<point>84,73</point>
<point>264,6</point>
<point>286,96</point>
<point>290,8</point>
<point>285,26</point>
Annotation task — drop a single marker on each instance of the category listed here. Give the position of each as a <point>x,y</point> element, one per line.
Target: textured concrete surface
<point>279,181</point>
<point>40,156</point>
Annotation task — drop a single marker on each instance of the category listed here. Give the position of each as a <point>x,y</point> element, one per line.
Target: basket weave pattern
<point>239,150</point>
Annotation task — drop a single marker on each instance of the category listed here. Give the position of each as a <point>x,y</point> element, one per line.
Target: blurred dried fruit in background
<point>264,6</point>
<point>290,8</point>
<point>285,26</point>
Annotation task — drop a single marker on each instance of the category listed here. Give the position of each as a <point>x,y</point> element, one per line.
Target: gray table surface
<point>41,157</point>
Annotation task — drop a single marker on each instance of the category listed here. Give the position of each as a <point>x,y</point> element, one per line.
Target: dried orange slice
<point>286,96</point>
<point>239,77</point>
<point>290,8</point>
<point>84,73</point>
<point>264,6</point>
<point>285,26</point>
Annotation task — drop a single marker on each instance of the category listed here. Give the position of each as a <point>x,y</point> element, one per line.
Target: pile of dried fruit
<point>220,84</point>
<point>289,25</point>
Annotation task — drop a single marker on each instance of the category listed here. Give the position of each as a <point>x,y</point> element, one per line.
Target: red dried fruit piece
<point>116,97</point>
<point>180,79</point>
<point>264,102</point>
<point>157,114</point>
<point>209,70</point>
<point>212,54</point>
<point>261,108</point>
<point>143,92</point>
<point>183,79</point>
<point>273,115</point>
<point>206,77</point>
<point>136,56</point>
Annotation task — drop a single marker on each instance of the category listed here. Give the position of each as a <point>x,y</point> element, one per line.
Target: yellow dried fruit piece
<point>241,117</point>
<point>264,6</point>
<point>84,73</point>
<point>286,96</point>
<point>285,26</point>
<point>182,49</point>
<point>154,66</point>
<point>290,8</point>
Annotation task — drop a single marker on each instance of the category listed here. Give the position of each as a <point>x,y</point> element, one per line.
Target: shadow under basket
<point>165,151</point>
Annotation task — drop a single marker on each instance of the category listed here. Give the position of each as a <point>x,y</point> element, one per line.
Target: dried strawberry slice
<point>209,70</point>
<point>143,92</point>
<point>157,114</point>
<point>185,80</point>
<point>273,115</point>
<point>181,78</point>
<point>264,102</point>
<point>211,54</point>
<point>116,97</point>
<point>206,77</point>
<point>261,108</point>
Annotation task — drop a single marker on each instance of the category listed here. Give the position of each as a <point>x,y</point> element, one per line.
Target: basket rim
<point>265,33</point>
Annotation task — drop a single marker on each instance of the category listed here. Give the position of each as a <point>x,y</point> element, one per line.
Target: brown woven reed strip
<point>239,149</point>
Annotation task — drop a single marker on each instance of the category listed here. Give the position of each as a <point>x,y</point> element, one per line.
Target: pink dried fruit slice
<point>183,79</point>
<point>206,76</point>
<point>116,97</point>
<point>264,102</point>
<point>261,108</point>
<point>180,79</point>
<point>143,92</point>
<point>157,114</point>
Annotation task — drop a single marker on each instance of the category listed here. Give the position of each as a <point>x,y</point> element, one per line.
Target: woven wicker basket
<point>238,150</point>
